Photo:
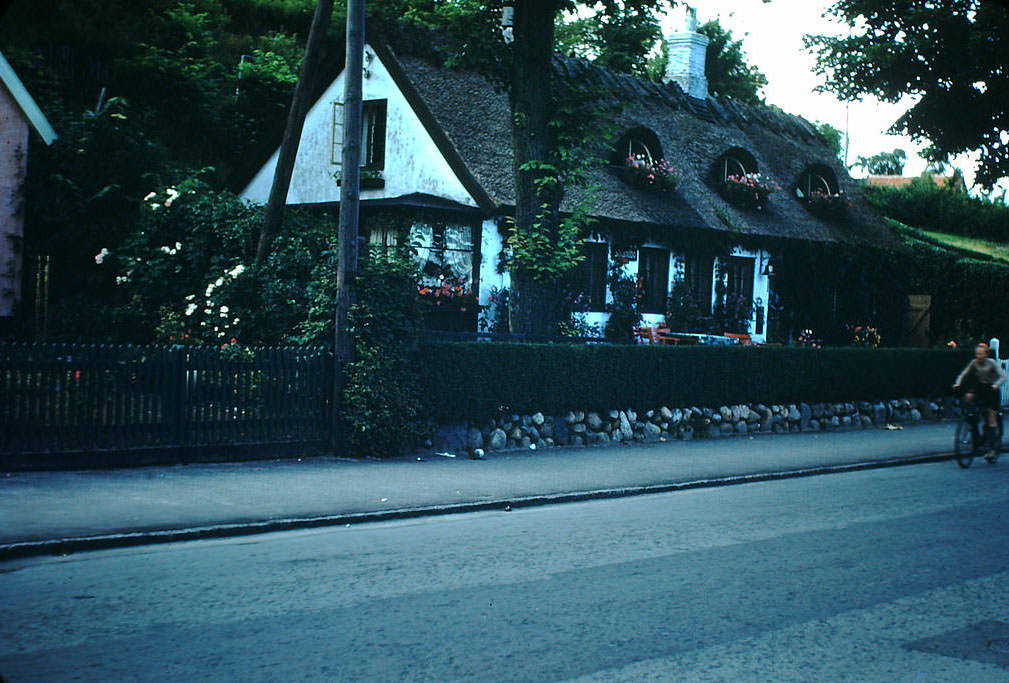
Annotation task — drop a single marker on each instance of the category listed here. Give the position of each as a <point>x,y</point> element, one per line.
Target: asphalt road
<point>893,574</point>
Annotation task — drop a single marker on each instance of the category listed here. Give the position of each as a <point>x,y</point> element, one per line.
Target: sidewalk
<point>59,512</point>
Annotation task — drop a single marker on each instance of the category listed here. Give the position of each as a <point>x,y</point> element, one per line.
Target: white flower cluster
<point>100,256</point>
<point>172,251</point>
<point>215,316</point>
<point>151,198</point>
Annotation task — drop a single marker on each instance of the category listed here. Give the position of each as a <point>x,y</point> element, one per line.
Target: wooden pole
<point>274,213</point>
<point>350,196</point>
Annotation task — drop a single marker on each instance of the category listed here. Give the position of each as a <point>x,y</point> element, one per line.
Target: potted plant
<point>826,205</point>
<point>749,190</point>
<point>450,304</point>
<point>653,175</point>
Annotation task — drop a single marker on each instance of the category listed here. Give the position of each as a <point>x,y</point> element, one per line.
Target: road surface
<point>893,574</point>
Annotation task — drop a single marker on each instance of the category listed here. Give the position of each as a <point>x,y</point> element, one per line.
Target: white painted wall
<point>490,248</point>
<point>491,280</point>
<point>413,163</point>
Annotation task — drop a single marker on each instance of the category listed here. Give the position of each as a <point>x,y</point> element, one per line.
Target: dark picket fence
<point>71,397</point>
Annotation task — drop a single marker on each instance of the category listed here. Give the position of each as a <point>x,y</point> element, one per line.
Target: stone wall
<point>580,428</point>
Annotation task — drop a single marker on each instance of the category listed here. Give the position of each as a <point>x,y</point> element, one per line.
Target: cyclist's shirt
<point>988,374</point>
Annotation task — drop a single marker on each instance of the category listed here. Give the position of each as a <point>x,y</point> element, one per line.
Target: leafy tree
<point>833,137</point>
<point>143,95</point>
<point>619,35</point>
<point>948,54</point>
<point>726,67</point>
<point>884,163</point>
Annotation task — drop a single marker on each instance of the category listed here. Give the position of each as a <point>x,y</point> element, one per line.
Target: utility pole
<point>273,215</point>
<point>350,199</point>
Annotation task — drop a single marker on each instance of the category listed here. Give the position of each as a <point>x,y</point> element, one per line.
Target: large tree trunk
<point>535,303</point>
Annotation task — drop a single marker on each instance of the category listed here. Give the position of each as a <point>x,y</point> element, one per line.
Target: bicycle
<point>968,441</point>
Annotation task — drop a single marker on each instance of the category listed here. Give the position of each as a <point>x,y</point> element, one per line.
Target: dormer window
<point>638,149</point>
<point>818,189</point>
<point>637,143</point>
<point>816,180</point>
<point>736,163</point>
<point>739,180</point>
<point>638,159</point>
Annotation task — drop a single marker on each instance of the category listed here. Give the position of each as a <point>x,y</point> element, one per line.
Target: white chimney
<point>686,58</point>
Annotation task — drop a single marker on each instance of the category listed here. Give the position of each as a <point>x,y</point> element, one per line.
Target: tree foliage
<point>618,35</point>
<point>884,163</point>
<point>948,55</point>
<point>833,137</point>
<point>727,70</point>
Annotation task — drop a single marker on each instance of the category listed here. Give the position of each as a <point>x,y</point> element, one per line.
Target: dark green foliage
<point>826,288</point>
<point>202,85</point>
<point>966,301</point>
<point>684,310</point>
<point>833,137</point>
<point>624,313</point>
<point>618,37</point>
<point>183,276</point>
<point>947,55</point>
<point>884,163</point>
<point>926,205</point>
<point>477,381</point>
<point>725,65</point>
<point>381,391</point>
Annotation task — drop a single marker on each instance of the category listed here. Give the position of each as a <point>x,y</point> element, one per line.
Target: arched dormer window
<point>817,178</point>
<point>638,160</point>
<point>736,163</point>
<point>818,189</point>
<point>637,143</point>
<point>737,176</point>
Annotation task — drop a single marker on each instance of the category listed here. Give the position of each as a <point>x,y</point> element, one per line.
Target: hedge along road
<point>476,381</point>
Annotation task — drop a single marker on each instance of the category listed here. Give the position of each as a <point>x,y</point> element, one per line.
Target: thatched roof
<point>474,118</point>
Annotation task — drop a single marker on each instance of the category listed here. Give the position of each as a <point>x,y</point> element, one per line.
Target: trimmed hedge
<point>477,380</point>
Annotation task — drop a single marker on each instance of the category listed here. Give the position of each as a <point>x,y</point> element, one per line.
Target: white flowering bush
<point>187,275</point>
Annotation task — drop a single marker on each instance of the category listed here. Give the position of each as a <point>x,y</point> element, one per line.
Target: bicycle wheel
<point>963,444</point>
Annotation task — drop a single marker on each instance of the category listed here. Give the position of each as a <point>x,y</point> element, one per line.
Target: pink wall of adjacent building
<point>14,131</point>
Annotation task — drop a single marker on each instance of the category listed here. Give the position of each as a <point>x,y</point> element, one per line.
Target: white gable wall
<point>413,163</point>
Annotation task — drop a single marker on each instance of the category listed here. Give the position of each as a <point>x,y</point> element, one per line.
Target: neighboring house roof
<point>25,102</point>
<point>900,181</point>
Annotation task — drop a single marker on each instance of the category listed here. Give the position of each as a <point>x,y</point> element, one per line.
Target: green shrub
<point>480,380</point>
<point>381,391</point>
<point>965,292</point>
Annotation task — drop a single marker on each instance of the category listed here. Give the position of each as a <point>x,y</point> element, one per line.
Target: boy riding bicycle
<point>980,381</point>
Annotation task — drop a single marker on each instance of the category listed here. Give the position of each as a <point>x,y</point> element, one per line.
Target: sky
<point>772,41</point>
